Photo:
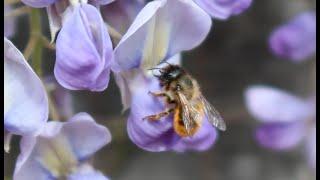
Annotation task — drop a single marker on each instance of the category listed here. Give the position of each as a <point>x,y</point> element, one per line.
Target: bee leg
<point>159,115</point>
<point>169,100</point>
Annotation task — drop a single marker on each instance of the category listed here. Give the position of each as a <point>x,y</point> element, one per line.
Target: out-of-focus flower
<point>38,3</point>
<point>223,9</point>
<point>121,13</point>
<point>287,120</point>
<point>62,97</point>
<point>295,40</point>
<point>162,28</point>
<point>83,50</point>
<point>9,22</point>
<point>25,99</point>
<point>159,135</point>
<point>61,150</point>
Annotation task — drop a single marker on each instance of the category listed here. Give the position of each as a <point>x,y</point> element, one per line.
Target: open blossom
<point>163,28</point>
<point>25,99</point>
<point>295,40</point>
<point>159,135</point>
<point>61,150</point>
<point>223,9</point>
<point>83,50</point>
<point>286,119</point>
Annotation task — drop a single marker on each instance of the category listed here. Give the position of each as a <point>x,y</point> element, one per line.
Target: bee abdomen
<point>179,126</point>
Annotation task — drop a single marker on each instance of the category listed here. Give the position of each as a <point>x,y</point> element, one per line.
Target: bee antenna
<point>153,69</point>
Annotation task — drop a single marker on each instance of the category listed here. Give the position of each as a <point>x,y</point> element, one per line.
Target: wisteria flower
<point>83,50</point>
<point>160,135</point>
<point>25,99</point>
<point>286,119</point>
<point>61,150</point>
<point>295,40</point>
<point>163,28</point>
<point>9,23</point>
<point>223,9</point>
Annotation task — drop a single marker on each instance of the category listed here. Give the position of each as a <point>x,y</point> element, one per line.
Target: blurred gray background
<point>234,56</point>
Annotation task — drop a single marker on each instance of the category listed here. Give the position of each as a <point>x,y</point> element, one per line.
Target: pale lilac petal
<point>163,28</point>
<point>9,23</point>
<point>295,40</point>
<point>58,145</point>
<point>150,136</point>
<point>269,104</point>
<point>201,141</point>
<point>82,128</point>
<point>311,147</point>
<point>84,50</point>
<point>86,172</point>
<point>38,3</point>
<point>280,136</point>
<point>223,9</point>
<point>25,99</point>
<point>121,13</point>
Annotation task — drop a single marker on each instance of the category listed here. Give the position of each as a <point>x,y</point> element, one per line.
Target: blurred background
<point>234,56</point>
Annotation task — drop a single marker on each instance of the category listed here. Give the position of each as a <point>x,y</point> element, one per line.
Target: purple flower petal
<point>163,28</point>
<point>9,23</point>
<point>223,9</point>
<point>121,13</point>
<point>84,50</point>
<point>86,172</point>
<point>25,104</point>
<point>269,104</point>
<point>295,40</point>
<point>201,141</point>
<point>38,3</point>
<point>60,148</point>
<point>159,135</point>
<point>280,136</point>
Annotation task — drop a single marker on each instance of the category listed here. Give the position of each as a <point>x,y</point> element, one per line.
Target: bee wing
<point>188,111</point>
<point>213,115</point>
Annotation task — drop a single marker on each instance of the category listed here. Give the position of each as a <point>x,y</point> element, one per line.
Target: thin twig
<point>114,33</point>
<point>18,11</point>
<point>30,47</point>
<point>47,43</point>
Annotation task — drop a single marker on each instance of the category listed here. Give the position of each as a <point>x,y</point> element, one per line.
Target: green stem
<point>35,31</point>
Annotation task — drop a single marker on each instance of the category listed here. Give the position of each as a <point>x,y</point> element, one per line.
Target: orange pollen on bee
<point>178,123</point>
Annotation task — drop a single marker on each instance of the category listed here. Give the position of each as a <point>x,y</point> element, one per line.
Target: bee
<point>185,101</point>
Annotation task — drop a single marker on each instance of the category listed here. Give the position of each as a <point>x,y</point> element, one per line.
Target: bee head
<point>169,74</point>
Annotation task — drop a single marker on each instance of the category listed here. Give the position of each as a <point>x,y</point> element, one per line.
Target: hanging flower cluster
<point>94,38</point>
